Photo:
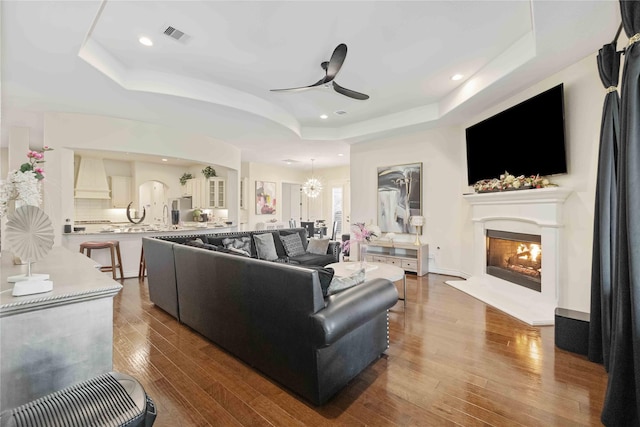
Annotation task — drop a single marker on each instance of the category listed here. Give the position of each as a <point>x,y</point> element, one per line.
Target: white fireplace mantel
<point>538,212</point>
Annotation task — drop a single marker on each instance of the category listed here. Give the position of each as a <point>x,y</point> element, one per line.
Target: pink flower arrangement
<point>361,233</point>
<point>35,158</point>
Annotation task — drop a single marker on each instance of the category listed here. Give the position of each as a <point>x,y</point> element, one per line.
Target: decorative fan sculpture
<point>30,237</point>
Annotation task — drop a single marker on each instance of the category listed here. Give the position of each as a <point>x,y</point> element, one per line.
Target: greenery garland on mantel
<point>508,182</point>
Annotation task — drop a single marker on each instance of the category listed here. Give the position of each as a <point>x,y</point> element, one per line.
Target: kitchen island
<point>131,242</point>
<point>54,339</point>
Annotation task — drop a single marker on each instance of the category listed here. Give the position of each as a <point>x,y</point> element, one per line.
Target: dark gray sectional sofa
<point>210,240</point>
<point>273,315</point>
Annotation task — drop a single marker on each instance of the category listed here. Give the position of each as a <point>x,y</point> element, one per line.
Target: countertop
<point>139,229</point>
<point>74,278</point>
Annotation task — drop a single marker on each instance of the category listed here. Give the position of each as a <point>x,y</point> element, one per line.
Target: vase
<point>363,255</point>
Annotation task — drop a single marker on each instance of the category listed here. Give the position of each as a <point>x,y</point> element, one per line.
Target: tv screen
<point>526,139</point>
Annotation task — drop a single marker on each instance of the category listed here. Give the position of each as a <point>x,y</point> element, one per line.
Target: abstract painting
<point>265,198</point>
<point>399,196</point>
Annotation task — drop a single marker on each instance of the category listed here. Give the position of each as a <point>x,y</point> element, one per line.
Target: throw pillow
<point>265,246</point>
<point>318,246</point>
<point>241,243</point>
<point>339,284</point>
<point>325,275</point>
<point>292,245</point>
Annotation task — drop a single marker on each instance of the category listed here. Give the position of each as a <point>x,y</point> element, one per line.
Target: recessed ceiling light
<point>145,41</point>
<point>457,77</point>
<point>340,154</point>
<point>324,116</point>
<point>165,160</point>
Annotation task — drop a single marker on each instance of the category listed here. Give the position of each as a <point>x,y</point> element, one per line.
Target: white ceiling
<point>83,56</point>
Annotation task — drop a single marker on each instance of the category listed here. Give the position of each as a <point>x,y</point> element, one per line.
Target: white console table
<point>408,256</point>
<point>52,340</point>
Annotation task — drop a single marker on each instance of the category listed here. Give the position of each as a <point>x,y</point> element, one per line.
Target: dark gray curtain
<point>604,224</point>
<point>622,404</point>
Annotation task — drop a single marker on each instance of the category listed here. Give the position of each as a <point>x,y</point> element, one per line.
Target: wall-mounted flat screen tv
<point>526,139</point>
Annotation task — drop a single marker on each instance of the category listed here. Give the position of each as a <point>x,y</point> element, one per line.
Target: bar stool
<point>143,265</point>
<point>114,248</point>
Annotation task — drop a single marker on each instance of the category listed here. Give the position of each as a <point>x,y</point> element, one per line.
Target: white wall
<point>443,168</point>
<point>84,131</point>
<point>65,132</point>
<point>265,172</point>
<point>583,100</point>
<point>442,152</point>
<point>169,175</point>
<point>312,209</point>
<point>4,162</point>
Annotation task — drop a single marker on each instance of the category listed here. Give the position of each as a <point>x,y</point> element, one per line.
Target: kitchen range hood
<point>91,182</point>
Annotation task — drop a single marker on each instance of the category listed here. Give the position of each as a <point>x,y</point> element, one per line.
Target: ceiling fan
<point>331,68</point>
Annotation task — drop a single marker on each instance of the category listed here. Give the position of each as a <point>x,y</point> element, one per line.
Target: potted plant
<point>185,176</point>
<point>209,172</point>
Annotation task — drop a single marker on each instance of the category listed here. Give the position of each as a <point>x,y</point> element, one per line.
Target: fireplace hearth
<point>519,214</point>
<point>515,257</point>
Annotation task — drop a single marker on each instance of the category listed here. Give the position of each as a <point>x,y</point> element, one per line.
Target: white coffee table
<point>375,270</point>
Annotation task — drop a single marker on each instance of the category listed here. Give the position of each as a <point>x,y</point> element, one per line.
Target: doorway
<point>291,208</point>
<point>152,199</point>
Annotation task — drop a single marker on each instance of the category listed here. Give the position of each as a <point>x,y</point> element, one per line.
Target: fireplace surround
<point>523,213</point>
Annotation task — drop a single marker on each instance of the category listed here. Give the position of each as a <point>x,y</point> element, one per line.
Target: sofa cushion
<point>265,246</point>
<point>325,275</point>
<point>313,259</point>
<point>232,251</point>
<point>292,245</point>
<point>240,243</point>
<point>197,242</point>
<point>339,284</point>
<point>318,246</point>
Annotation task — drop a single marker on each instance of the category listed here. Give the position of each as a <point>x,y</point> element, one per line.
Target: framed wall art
<point>265,198</point>
<point>399,196</point>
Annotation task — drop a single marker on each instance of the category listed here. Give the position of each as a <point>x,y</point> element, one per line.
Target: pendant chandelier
<point>312,187</point>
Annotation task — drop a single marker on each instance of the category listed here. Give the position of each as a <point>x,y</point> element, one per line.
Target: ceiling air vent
<point>176,34</point>
<point>340,112</point>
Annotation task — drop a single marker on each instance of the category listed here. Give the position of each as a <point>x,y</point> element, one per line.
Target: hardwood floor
<point>453,360</point>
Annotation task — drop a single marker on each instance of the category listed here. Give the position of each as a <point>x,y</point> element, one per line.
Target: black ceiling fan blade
<point>336,61</point>
<point>299,89</point>
<point>348,92</point>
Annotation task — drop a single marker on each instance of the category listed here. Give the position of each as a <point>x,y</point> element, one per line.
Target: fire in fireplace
<point>515,257</point>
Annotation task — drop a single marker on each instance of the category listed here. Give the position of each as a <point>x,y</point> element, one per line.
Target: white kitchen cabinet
<point>195,189</point>
<point>120,191</point>
<point>187,188</point>
<point>198,199</point>
<point>215,193</point>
